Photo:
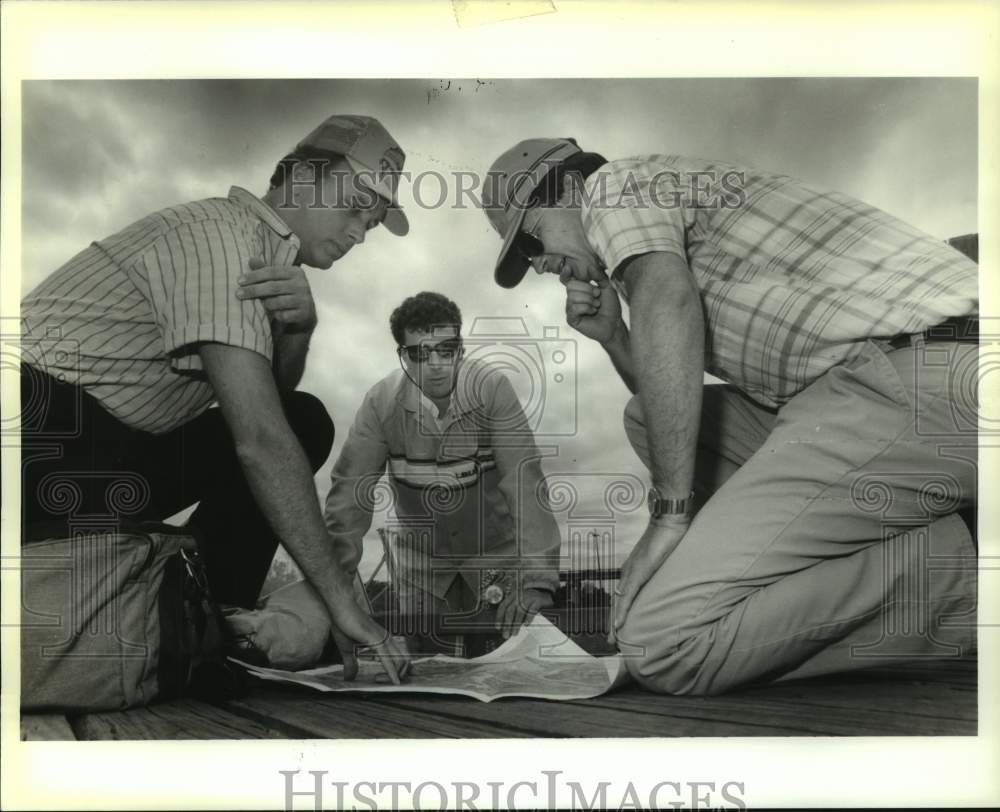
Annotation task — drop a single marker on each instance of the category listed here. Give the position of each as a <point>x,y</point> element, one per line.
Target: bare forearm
<point>619,350</point>
<point>281,482</point>
<point>668,355</point>
<point>290,350</point>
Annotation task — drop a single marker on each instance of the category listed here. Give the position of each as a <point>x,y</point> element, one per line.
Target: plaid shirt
<point>793,279</point>
<point>123,318</point>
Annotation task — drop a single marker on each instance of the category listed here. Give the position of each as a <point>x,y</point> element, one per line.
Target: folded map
<point>539,662</point>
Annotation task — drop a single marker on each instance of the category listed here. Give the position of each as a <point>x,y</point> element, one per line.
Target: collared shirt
<point>469,491</point>
<point>793,279</point>
<point>123,317</point>
<point>432,411</point>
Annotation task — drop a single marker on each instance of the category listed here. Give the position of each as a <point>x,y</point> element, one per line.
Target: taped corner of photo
<point>470,13</point>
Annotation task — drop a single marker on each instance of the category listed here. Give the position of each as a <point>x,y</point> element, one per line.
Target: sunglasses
<point>420,353</point>
<point>528,246</point>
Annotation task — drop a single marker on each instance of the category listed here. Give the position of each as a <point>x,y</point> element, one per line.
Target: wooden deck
<point>923,699</point>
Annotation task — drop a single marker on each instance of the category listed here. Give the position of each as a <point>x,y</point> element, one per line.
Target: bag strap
<point>211,677</point>
<point>59,529</point>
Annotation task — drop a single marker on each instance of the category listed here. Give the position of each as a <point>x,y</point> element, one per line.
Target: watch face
<point>494,586</point>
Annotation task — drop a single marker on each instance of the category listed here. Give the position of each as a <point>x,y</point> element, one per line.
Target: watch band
<point>668,506</point>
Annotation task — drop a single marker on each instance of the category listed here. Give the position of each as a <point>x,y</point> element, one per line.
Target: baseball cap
<point>371,152</point>
<point>509,184</point>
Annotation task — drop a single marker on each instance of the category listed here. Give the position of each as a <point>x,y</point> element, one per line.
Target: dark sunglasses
<point>419,353</point>
<point>527,246</point>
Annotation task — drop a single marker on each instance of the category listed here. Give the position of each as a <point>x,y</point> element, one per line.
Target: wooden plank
<point>938,700</point>
<point>356,716</point>
<point>928,698</point>
<point>45,727</point>
<point>177,719</point>
<point>849,717</point>
<point>871,702</point>
<point>584,718</point>
<point>958,673</point>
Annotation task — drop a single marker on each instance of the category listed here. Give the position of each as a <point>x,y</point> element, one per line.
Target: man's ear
<point>300,187</point>
<point>307,175</point>
<point>305,172</point>
<point>572,193</point>
<point>308,171</point>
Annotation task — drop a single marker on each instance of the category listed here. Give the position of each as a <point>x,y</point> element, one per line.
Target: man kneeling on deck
<point>474,527</point>
<point>830,468</point>
<point>127,345</point>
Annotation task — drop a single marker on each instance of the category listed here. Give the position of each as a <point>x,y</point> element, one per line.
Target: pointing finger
<point>389,666</point>
<point>346,648</point>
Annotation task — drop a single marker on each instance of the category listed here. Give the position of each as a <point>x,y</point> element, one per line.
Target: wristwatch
<point>665,506</point>
<point>494,586</point>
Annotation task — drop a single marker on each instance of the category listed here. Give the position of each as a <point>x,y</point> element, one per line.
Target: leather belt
<point>962,329</point>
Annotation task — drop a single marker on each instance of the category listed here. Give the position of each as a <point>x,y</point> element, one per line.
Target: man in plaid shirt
<point>796,512</point>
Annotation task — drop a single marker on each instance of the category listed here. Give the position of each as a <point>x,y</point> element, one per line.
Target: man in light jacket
<point>474,538</point>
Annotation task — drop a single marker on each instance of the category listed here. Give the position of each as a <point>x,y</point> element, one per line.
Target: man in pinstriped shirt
<point>775,546</point>
<point>127,345</point>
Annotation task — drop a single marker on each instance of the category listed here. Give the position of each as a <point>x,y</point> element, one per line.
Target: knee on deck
<point>679,673</point>
<point>666,661</point>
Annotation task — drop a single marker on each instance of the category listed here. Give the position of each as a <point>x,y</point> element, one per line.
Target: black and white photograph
<point>415,410</point>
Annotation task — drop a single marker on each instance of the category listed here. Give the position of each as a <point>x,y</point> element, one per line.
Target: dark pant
<point>88,471</point>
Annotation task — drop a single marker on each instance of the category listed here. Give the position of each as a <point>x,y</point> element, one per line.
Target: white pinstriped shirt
<point>133,307</point>
<point>793,280</point>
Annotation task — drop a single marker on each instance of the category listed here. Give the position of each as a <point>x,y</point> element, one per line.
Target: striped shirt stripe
<point>424,474</point>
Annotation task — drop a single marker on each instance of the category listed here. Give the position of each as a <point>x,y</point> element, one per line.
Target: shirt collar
<point>431,407</point>
<point>261,210</point>
<point>413,399</point>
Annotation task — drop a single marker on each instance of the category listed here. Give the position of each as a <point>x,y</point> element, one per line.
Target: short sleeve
<point>631,209</point>
<point>192,280</point>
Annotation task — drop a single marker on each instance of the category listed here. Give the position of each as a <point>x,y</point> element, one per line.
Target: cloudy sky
<point>98,155</point>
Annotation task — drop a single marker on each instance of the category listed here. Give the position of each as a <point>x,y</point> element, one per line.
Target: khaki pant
<point>828,539</point>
